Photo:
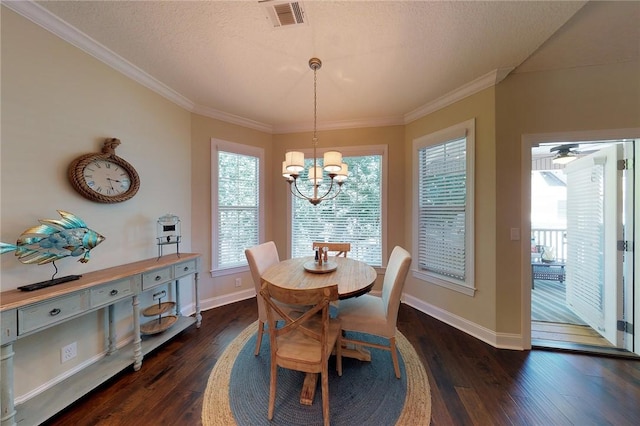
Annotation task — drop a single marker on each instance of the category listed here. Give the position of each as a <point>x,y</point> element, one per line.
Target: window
<point>443,212</point>
<point>237,212</point>
<point>354,216</point>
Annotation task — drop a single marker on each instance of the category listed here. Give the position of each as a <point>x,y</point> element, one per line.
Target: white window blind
<point>354,216</point>
<point>442,189</point>
<point>236,204</point>
<point>443,207</point>
<point>586,253</point>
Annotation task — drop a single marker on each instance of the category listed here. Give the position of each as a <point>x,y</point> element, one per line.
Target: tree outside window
<point>354,216</point>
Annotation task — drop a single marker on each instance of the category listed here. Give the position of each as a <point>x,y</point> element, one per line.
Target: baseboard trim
<point>216,302</point>
<point>498,340</point>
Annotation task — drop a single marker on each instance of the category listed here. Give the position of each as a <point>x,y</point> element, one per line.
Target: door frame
<point>529,141</point>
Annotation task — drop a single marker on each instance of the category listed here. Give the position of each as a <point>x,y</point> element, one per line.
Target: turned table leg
<point>137,340</point>
<point>7,409</point>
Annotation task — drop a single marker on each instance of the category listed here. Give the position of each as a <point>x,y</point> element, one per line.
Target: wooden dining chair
<point>338,249</point>
<point>261,258</point>
<point>378,315</point>
<point>303,343</point>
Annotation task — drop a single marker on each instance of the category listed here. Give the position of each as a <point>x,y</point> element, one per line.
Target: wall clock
<point>104,177</point>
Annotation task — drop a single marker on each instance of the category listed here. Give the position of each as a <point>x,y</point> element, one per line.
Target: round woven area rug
<point>367,393</point>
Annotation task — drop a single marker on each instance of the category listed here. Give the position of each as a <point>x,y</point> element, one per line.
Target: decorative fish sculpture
<point>55,239</point>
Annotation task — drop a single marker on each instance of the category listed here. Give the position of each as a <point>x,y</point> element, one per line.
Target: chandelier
<point>333,165</point>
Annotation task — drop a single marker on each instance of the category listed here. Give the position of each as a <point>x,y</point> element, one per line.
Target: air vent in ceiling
<point>284,13</point>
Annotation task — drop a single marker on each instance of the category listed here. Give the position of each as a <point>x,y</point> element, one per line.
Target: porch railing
<point>554,238</point>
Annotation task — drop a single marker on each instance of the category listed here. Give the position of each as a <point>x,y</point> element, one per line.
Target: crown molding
<point>340,124</point>
<point>488,80</point>
<point>42,17</point>
<point>230,118</point>
<point>45,19</point>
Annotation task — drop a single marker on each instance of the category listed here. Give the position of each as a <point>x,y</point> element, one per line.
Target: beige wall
<point>581,99</point>
<point>571,100</point>
<point>57,104</point>
<point>218,291</point>
<point>479,309</point>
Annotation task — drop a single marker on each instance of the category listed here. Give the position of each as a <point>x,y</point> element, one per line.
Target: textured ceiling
<point>382,60</point>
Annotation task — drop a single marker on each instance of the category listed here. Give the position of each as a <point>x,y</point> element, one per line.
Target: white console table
<point>23,313</point>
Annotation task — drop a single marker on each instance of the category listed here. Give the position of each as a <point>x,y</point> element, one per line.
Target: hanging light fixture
<point>293,162</point>
<point>564,155</point>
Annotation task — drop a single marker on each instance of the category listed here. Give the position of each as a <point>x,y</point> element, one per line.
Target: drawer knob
<point>186,268</point>
<point>158,277</point>
<point>54,312</point>
<point>113,292</point>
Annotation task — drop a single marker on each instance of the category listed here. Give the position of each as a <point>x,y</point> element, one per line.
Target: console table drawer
<point>152,279</point>
<point>47,313</point>
<point>8,326</point>
<point>110,293</point>
<point>186,268</point>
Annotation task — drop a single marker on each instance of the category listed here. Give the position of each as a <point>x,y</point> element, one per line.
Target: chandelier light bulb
<point>342,173</point>
<point>294,161</point>
<point>285,173</point>
<point>315,175</point>
<point>332,161</point>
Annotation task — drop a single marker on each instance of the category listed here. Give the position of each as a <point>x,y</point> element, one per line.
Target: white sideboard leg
<point>198,314</point>
<point>178,308</point>
<point>112,331</point>
<point>137,341</point>
<point>8,412</point>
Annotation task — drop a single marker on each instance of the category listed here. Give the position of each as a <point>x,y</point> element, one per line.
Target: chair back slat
<point>306,340</point>
<point>307,296</point>
<point>338,249</point>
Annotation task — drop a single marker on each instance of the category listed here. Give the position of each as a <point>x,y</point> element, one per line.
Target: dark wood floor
<point>471,382</point>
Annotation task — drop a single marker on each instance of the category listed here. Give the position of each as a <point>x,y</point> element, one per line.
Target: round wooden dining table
<point>353,277</point>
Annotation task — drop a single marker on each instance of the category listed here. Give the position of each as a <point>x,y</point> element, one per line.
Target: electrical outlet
<point>238,282</point>
<point>68,352</point>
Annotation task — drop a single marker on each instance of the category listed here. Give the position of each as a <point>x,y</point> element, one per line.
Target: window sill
<point>229,271</point>
<point>433,279</point>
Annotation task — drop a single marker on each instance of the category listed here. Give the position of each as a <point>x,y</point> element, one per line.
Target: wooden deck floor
<point>568,333</point>
<point>555,326</point>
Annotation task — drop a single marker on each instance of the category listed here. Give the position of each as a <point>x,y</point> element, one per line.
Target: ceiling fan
<point>564,154</point>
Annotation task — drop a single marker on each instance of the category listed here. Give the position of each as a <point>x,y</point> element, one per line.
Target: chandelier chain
<point>315,106</point>
<point>315,128</point>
